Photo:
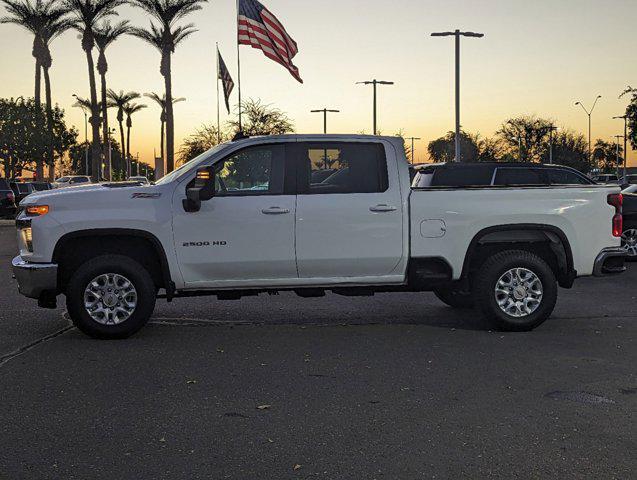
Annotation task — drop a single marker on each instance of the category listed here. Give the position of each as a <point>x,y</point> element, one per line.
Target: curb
<point>7,223</point>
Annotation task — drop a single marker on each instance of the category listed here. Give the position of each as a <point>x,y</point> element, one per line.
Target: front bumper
<point>610,261</point>
<point>35,279</point>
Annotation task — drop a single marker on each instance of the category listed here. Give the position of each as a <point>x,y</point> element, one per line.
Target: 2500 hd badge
<point>206,244</point>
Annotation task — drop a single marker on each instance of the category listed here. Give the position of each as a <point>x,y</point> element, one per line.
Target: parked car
<point>496,174</point>
<point>605,178</point>
<point>139,179</point>
<point>71,180</point>
<point>22,189</point>
<point>629,234</point>
<point>628,180</point>
<point>263,226</point>
<point>7,200</point>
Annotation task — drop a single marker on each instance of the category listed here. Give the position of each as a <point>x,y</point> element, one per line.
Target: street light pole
<point>457,34</point>
<point>552,128</point>
<point>625,118</point>
<point>85,133</point>
<point>589,113</point>
<point>617,157</point>
<point>325,111</point>
<point>375,83</point>
<point>412,146</point>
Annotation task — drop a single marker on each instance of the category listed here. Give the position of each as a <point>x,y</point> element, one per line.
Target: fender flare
<point>125,232</point>
<point>551,233</point>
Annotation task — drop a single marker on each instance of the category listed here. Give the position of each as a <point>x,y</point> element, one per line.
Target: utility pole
<point>625,118</point>
<point>325,111</point>
<point>589,113</point>
<point>457,34</point>
<point>412,146</point>
<point>375,83</point>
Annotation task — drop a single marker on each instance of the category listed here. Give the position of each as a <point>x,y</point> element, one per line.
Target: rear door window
<point>332,168</point>
<point>521,176</point>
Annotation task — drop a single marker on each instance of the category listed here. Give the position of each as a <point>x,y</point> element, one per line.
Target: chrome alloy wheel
<point>110,299</point>
<point>519,292</point>
<point>629,242</point>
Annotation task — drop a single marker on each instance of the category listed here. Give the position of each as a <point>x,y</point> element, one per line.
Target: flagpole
<point>218,118</point>
<point>239,69</point>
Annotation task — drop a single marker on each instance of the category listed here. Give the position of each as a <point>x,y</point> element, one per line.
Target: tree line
<point>529,138</point>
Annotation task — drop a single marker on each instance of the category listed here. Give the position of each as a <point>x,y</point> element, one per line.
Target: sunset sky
<point>537,57</point>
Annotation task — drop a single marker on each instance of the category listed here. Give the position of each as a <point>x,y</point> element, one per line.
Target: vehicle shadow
<point>331,310</point>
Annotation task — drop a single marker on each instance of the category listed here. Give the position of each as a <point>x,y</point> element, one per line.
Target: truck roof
<point>320,137</point>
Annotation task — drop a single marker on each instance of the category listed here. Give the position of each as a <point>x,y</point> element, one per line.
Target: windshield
<point>63,179</point>
<point>194,163</point>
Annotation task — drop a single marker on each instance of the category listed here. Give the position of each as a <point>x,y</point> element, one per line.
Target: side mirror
<point>202,190</point>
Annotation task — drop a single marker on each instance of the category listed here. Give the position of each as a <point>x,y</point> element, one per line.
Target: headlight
<point>36,210</point>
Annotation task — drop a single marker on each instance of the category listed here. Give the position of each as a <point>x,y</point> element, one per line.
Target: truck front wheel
<point>110,297</point>
<point>515,290</point>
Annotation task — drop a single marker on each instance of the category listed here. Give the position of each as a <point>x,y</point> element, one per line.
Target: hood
<point>94,196</point>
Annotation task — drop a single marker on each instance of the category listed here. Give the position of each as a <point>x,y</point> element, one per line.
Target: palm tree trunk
<point>163,139</point>
<point>128,164</point>
<point>38,83</point>
<point>170,119</point>
<point>50,153</point>
<point>123,145</point>
<point>107,171</point>
<point>95,121</point>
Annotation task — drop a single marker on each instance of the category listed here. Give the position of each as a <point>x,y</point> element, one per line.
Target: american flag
<point>260,29</point>
<point>224,75</point>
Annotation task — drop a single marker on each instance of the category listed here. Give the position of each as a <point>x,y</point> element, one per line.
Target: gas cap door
<point>433,228</point>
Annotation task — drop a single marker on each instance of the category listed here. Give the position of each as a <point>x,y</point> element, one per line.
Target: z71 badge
<point>145,195</point>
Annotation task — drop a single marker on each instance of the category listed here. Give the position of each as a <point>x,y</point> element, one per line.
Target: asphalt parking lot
<point>396,386</point>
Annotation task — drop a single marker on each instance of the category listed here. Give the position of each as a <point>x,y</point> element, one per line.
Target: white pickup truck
<point>310,213</point>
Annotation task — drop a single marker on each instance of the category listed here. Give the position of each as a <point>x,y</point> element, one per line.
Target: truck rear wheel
<point>455,298</point>
<point>515,290</point>
<point>110,297</point>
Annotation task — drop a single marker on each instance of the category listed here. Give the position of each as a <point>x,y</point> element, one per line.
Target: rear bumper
<point>34,279</point>
<point>610,261</point>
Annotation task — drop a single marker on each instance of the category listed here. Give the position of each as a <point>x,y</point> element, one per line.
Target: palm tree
<point>87,14</point>
<point>105,35</point>
<point>129,109</point>
<point>46,20</point>
<point>119,101</point>
<point>165,37</point>
<point>161,101</point>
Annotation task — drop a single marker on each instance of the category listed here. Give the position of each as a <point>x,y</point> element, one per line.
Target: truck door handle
<point>382,208</point>
<point>275,211</point>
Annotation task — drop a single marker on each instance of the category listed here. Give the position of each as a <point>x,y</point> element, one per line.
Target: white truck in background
<point>309,214</point>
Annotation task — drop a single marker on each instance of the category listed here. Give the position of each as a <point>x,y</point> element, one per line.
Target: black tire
<point>490,273</point>
<point>106,264</point>
<point>455,298</point>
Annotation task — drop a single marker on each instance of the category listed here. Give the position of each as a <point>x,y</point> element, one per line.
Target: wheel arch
<point>521,236</point>
<point>121,236</point>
